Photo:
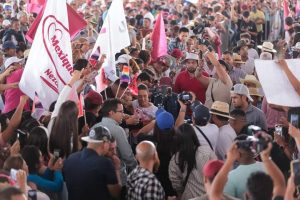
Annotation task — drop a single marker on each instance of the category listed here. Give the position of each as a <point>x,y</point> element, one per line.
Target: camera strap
<point>205,137</point>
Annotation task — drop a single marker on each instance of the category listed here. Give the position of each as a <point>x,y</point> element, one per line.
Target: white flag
<point>49,65</point>
<point>112,38</point>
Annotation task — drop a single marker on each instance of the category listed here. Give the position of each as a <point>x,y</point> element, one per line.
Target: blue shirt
<point>51,181</point>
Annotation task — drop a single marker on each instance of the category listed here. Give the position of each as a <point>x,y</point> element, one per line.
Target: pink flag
<point>76,23</point>
<point>35,6</point>
<point>286,11</point>
<point>159,40</point>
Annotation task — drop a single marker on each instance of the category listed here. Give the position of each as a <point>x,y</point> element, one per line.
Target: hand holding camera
<point>185,98</point>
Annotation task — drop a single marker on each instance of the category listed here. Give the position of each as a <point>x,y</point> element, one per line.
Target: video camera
<point>185,97</point>
<point>256,142</point>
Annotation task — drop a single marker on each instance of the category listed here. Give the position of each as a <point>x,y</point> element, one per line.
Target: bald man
<point>141,182</point>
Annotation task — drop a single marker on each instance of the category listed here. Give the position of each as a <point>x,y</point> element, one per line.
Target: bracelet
<point>182,110</point>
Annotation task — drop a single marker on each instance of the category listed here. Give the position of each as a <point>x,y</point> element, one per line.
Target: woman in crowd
<point>38,137</point>
<point>48,179</point>
<point>186,164</point>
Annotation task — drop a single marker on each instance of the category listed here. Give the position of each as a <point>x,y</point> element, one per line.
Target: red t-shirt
<point>184,82</point>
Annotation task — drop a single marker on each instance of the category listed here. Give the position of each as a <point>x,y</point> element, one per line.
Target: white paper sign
<point>276,86</point>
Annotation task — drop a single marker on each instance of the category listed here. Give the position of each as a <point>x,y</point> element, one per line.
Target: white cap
<point>11,60</point>
<point>123,59</point>
<point>242,90</point>
<point>191,56</point>
<point>6,23</point>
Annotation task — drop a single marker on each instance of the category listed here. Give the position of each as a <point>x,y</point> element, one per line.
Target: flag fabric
<point>35,6</point>
<point>76,23</point>
<point>47,76</point>
<point>159,40</point>
<point>112,38</point>
<point>101,81</point>
<point>125,76</point>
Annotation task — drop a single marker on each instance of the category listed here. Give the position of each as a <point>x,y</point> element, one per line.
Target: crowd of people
<point>193,124</point>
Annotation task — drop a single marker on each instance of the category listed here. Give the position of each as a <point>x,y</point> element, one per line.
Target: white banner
<point>276,86</point>
<point>49,65</point>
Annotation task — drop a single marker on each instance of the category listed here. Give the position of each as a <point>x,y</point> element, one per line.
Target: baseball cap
<point>97,135</point>
<point>8,45</point>
<point>242,90</point>
<point>11,60</point>
<point>123,59</point>
<point>201,113</point>
<point>6,22</point>
<point>159,110</point>
<point>94,97</point>
<point>165,120</point>
<point>191,56</point>
<point>212,167</point>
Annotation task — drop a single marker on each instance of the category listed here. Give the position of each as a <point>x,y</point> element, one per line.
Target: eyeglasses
<point>120,111</point>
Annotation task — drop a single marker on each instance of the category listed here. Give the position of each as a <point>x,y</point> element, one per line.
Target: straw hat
<point>237,59</point>
<point>250,79</point>
<point>254,92</point>
<point>221,109</point>
<point>267,46</point>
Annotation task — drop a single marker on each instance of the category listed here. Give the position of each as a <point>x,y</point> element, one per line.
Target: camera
<point>185,97</point>
<point>256,142</point>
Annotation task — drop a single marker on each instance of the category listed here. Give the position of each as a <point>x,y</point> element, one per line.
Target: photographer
<point>237,178</point>
<point>259,185</point>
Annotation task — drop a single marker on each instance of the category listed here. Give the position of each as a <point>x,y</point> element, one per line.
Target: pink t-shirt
<point>12,96</point>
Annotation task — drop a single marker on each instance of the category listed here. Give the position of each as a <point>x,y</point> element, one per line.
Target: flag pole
<point>123,92</point>
<point>118,89</point>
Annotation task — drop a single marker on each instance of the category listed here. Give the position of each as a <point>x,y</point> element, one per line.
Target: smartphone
<point>32,195</point>
<point>22,137</point>
<point>278,129</point>
<point>294,120</point>
<point>293,116</point>
<point>56,154</point>
<point>295,167</point>
<point>13,174</point>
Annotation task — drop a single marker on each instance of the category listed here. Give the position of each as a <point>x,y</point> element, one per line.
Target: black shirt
<point>87,175</point>
<point>250,26</point>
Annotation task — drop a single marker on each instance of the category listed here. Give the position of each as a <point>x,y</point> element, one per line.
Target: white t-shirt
<point>145,114</point>
<point>211,131</point>
<point>226,137</point>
